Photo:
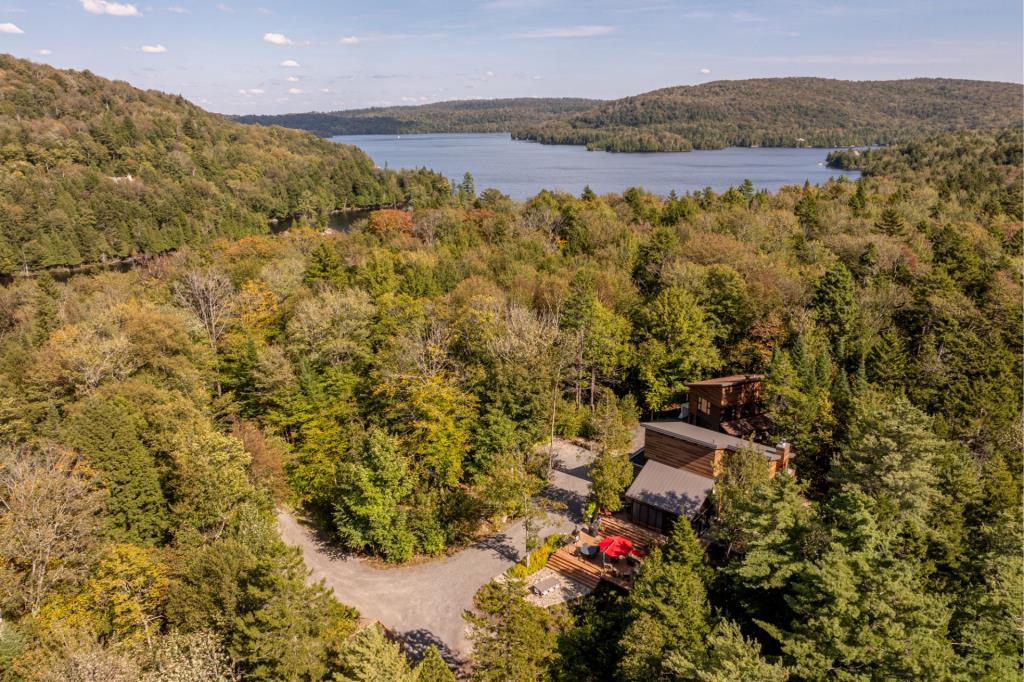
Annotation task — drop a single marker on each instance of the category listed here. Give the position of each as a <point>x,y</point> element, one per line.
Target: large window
<point>646,515</point>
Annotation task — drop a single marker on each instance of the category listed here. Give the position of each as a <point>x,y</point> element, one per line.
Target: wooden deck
<point>642,538</point>
<point>590,572</point>
<point>582,571</point>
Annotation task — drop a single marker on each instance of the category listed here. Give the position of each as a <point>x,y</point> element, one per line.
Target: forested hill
<point>461,116</point>
<point>95,169</point>
<point>785,112</point>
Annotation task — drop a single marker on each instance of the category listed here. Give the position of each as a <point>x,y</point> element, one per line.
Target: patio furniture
<point>588,551</point>
<point>615,546</point>
<point>546,586</point>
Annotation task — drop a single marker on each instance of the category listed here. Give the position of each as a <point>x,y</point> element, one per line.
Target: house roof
<point>731,380</point>
<point>708,438</point>
<point>677,491</point>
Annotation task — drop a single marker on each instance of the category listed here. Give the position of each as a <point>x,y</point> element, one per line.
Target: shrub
<point>538,559</point>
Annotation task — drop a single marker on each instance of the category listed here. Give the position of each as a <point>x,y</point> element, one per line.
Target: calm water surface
<point>521,169</point>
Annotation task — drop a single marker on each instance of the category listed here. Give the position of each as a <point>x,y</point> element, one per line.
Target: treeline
<point>784,112</point>
<point>395,381</point>
<point>96,170</point>
<point>979,169</point>
<point>460,116</point>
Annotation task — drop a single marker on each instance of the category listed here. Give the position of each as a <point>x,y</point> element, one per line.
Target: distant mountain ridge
<point>455,116</point>
<point>770,112</point>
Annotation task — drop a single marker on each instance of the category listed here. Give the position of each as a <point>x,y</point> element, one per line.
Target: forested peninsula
<point>766,112</point>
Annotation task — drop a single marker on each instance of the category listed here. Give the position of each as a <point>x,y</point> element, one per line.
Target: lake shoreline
<point>522,168</point>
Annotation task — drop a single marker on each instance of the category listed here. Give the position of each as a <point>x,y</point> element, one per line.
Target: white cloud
<point>294,91</point>
<point>705,71</point>
<point>569,32</point>
<point>264,11</point>
<point>250,91</point>
<point>489,74</point>
<point>154,49</point>
<point>44,52</point>
<point>114,9</point>
<point>225,8</point>
<point>290,64</point>
<point>276,39</point>
<point>350,40</point>
<point>178,9</point>
<point>8,27</point>
<point>325,89</point>
<point>538,78</point>
<point>292,79</point>
<point>745,16</point>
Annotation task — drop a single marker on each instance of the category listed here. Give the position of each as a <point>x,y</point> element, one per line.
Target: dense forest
<point>785,112</point>
<point>767,112</point>
<point>95,170</point>
<point>459,116</point>
<point>394,381</point>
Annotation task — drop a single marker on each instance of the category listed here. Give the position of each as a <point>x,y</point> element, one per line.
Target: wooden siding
<point>681,454</point>
<point>741,400</point>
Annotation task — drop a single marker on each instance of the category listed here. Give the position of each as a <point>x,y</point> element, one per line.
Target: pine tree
<point>890,222</point>
<point>861,612</point>
<point>369,656</point>
<point>324,267</point>
<point>730,657</point>
<point>835,305</point>
<point>513,641</point>
<point>668,608</point>
<point>107,432</point>
<point>432,667</point>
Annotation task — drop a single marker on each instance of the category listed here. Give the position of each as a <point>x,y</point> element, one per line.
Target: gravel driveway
<point>423,603</point>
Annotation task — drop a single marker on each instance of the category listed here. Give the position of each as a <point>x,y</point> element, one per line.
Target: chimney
<point>782,450</point>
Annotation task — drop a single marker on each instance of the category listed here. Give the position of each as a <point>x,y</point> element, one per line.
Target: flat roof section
<point>708,438</point>
<point>676,491</point>
<point>731,380</point>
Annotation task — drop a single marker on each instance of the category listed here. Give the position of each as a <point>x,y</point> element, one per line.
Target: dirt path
<point>423,603</point>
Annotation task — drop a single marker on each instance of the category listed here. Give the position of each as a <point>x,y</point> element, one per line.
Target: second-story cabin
<point>722,400</point>
<point>681,463</point>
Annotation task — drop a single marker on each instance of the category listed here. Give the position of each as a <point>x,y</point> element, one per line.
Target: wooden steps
<point>574,568</point>
<point>640,537</point>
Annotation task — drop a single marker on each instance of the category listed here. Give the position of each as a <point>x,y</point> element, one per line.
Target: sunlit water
<point>521,169</point>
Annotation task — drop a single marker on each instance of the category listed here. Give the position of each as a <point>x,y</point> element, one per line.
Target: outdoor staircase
<point>575,568</point>
<point>640,537</point>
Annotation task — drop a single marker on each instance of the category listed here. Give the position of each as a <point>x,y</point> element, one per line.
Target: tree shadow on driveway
<point>416,642</point>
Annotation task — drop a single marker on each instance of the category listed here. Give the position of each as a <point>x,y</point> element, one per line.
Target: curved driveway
<point>423,603</point>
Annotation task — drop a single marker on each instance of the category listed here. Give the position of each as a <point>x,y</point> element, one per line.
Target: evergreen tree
<point>668,608</point>
<point>861,611</point>
<point>370,511</point>
<point>432,667</point>
<point>835,305</point>
<point>107,432</point>
<point>730,657</point>
<point>891,222</point>
<point>675,346</point>
<point>324,267</point>
<point>513,641</point>
<point>369,656</point>
<point>465,191</point>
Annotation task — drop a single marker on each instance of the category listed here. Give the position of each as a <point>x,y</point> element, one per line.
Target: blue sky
<point>275,56</point>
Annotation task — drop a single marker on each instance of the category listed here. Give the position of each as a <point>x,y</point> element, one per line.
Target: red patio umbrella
<point>615,546</point>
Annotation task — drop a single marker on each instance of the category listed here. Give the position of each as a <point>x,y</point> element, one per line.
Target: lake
<point>521,169</point>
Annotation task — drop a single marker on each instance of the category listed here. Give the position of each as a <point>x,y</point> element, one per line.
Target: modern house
<point>681,459</point>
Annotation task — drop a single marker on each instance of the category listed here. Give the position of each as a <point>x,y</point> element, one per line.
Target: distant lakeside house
<point>680,459</point>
